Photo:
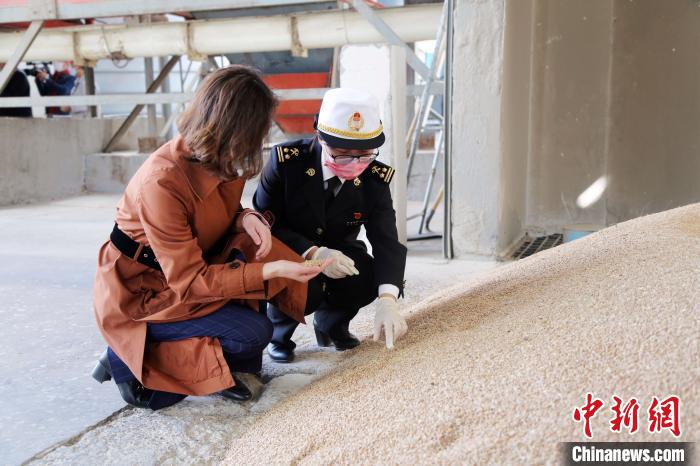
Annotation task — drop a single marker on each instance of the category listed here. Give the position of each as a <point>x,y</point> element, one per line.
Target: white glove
<point>341,267</point>
<point>388,316</point>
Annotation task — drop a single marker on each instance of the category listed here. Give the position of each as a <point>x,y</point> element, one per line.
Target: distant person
<point>178,284</point>
<point>317,193</point>
<point>17,87</point>
<point>80,89</point>
<point>63,81</point>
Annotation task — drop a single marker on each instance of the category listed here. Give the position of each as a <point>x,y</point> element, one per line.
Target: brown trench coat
<point>181,211</point>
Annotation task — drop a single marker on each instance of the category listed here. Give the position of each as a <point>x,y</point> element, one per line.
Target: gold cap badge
<point>356,122</point>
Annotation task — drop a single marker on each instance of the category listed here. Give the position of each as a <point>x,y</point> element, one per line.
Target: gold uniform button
<point>319,231</point>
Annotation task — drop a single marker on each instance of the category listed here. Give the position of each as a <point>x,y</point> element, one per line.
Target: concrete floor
<point>49,343</point>
<point>48,340</point>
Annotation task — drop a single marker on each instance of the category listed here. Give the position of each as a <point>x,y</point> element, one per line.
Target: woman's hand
<point>260,234</point>
<point>293,270</point>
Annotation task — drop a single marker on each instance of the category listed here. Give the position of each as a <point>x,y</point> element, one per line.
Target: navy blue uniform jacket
<point>291,196</point>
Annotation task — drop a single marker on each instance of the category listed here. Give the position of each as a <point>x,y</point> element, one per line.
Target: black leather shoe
<point>239,392</point>
<point>135,394</point>
<point>342,339</point>
<point>280,353</point>
<point>102,372</point>
<point>132,391</point>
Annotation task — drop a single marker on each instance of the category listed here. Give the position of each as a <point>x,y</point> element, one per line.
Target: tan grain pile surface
<point>490,371</point>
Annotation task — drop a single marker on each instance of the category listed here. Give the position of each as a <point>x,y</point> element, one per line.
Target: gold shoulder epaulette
<point>382,171</point>
<point>286,153</point>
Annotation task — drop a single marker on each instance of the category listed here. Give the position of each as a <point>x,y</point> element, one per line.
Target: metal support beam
<point>436,88</point>
<point>397,80</point>
<point>89,76</point>
<point>335,68</point>
<point>167,98</point>
<point>191,86</point>
<point>148,72</point>
<point>426,100</point>
<point>99,99</point>
<point>24,43</point>
<point>135,112</point>
<point>166,109</point>
<point>213,64</point>
<point>151,108</point>
<point>447,250</point>
<point>391,37</point>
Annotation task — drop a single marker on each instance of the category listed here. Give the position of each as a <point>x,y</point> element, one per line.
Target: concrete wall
<point>569,110</point>
<point>366,67</point>
<point>616,95</point>
<point>556,94</point>
<point>42,159</point>
<point>515,132</point>
<point>654,143</point>
<point>476,124</point>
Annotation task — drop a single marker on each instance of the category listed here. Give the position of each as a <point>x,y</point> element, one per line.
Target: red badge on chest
<point>357,215</point>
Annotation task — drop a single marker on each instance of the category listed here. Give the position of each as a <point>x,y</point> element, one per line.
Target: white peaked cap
<point>349,119</point>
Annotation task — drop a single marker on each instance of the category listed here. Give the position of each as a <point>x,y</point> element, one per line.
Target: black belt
<point>133,249</point>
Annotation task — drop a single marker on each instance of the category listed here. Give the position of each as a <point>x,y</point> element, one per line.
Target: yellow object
<point>313,263</point>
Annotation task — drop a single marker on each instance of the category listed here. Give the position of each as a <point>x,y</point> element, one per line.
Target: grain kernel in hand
<point>313,263</point>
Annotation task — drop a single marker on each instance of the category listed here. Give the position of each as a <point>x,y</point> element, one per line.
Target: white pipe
<point>212,37</point>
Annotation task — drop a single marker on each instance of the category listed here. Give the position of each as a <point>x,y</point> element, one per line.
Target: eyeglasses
<point>347,159</point>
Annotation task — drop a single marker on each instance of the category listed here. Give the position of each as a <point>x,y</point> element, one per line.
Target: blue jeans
<point>242,333</point>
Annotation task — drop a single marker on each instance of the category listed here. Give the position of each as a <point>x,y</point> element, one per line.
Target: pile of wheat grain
<point>491,371</point>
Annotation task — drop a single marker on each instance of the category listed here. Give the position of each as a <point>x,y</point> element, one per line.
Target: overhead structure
<point>25,41</point>
<point>422,122</point>
<point>152,87</point>
<point>199,39</point>
<point>261,29</point>
<point>31,10</point>
<point>391,37</point>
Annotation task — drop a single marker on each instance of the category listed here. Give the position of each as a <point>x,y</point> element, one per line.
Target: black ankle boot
<point>239,392</point>
<point>132,391</point>
<point>322,338</point>
<point>341,338</point>
<point>102,372</point>
<point>281,353</point>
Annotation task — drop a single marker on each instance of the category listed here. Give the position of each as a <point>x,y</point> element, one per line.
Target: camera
<point>33,68</point>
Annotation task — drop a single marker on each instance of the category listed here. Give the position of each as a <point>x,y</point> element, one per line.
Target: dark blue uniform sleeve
<point>269,196</point>
<point>389,254</point>
<point>64,87</point>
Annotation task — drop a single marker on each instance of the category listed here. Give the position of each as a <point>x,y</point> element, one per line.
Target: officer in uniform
<point>317,193</point>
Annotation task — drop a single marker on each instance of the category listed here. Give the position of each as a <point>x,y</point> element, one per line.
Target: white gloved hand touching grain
<point>388,317</point>
<point>342,267</point>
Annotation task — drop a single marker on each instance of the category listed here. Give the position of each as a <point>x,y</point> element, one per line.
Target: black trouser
<point>335,302</point>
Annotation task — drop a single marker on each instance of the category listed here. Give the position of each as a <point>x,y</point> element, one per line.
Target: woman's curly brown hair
<point>227,121</point>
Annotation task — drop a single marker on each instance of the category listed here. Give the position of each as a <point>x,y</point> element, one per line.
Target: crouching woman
<point>180,283</point>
